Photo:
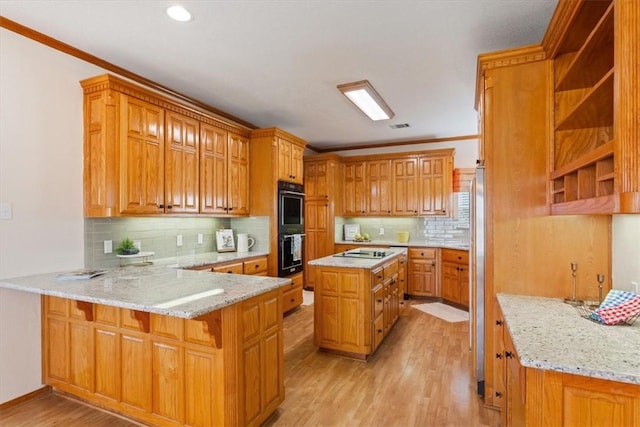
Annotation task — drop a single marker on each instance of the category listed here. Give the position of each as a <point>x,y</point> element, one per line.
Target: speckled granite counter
<point>345,262</point>
<point>153,289</point>
<point>413,244</point>
<point>549,334</point>
<point>198,260</point>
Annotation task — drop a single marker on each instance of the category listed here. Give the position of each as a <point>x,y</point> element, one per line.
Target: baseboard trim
<point>25,398</point>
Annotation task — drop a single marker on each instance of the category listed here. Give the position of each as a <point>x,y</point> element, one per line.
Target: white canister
<point>245,242</point>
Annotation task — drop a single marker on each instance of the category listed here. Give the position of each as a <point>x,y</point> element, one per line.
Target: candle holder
<point>573,300</point>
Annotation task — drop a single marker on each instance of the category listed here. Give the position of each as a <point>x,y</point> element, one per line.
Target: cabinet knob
<point>508,354</point>
<point>169,207</point>
<point>161,206</point>
<point>498,394</point>
<point>230,209</point>
<point>379,331</point>
<point>229,272</point>
<point>499,322</point>
<point>498,355</point>
<point>421,253</point>
<point>293,300</point>
<point>379,301</point>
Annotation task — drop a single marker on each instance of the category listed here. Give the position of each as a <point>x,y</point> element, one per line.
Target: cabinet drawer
<point>255,266</point>
<point>377,276</point>
<point>453,255</point>
<point>296,282</point>
<point>291,298</point>
<point>426,253</point>
<point>390,269</point>
<point>378,331</point>
<point>235,268</point>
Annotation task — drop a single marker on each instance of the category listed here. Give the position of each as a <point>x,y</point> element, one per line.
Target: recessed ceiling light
<point>179,13</point>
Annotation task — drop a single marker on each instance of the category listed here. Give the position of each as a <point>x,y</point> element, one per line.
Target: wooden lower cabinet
<point>536,397</point>
<point>292,293</point>
<point>355,308</point>
<point>223,368</point>
<point>454,279</point>
<point>423,278</point>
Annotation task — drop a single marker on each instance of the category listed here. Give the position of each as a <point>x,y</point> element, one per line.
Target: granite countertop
<point>153,289</point>
<point>345,262</point>
<point>206,258</point>
<point>413,244</point>
<point>549,334</point>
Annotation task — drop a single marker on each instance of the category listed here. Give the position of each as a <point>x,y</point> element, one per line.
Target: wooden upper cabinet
<point>145,154</point>
<point>379,194</point>
<point>596,55</point>
<point>404,187</point>
<point>435,184</point>
<point>182,164</point>
<point>290,161</point>
<point>238,171</point>
<point>355,189</point>
<point>141,157</point>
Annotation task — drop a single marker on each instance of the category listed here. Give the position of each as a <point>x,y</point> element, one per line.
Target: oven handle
<point>291,236</point>
<point>294,193</point>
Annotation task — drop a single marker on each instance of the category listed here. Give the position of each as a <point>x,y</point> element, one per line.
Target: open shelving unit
<point>582,176</point>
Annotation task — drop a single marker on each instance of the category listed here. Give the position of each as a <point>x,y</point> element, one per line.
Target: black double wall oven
<point>290,228</point>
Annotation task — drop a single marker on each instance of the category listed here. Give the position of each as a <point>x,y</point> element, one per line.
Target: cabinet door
<point>297,163</point>
<point>463,278</point>
<point>142,157</point>
<point>213,169</point>
<point>379,194</point>
<point>318,241</point>
<point>316,180</point>
<point>284,160</point>
<point>422,277</point>
<point>168,380</point>
<point>450,283</point>
<point>355,203</point>
<point>238,164</point>
<point>405,187</point>
<point>435,185</point>
<point>181,164</point>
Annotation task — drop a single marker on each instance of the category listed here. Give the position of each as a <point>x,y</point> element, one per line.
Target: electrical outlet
<point>137,244</point>
<point>108,246</point>
<point>381,231</point>
<point>634,286</point>
<point>179,240</point>
<point>200,238</point>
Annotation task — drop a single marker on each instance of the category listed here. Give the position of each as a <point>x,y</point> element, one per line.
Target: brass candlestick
<point>600,278</point>
<point>573,300</point>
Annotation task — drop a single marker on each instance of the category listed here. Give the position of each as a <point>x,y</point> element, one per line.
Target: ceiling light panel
<point>365,97</point>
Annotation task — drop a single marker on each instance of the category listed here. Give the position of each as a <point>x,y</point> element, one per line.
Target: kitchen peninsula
<point>356,299</point>
<point>165,346</point>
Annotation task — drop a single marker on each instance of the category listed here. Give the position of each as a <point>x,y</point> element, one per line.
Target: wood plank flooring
<point>420,376</point>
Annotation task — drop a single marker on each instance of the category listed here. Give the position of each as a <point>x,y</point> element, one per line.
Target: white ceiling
<point>277,62</point>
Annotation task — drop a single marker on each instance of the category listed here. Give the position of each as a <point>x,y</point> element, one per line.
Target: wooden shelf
<point>594,205</point>
<point>600,153</point>
<point>594,110</point>
<point>593,60</point>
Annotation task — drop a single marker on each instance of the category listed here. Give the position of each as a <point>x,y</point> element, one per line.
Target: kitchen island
<point>356,300</point>
<point>562,369</point>
<point>165,346</point>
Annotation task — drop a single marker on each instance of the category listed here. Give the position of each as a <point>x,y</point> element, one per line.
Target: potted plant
<point>127,247</point>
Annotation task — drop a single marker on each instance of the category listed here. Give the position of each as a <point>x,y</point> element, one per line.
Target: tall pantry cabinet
<point>322,182</point>
<point>527,250</point>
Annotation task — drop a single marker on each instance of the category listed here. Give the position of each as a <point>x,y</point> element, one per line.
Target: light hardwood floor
<point>420,376</point>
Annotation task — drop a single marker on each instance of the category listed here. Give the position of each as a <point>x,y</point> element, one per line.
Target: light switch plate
<point>5,210</point>
<point>137,244</point>
<point>200,238</point>
<point>179,240</point>
<point>108,246</point>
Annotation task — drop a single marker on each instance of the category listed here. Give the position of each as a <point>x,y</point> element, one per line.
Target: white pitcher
<point>245,242</point>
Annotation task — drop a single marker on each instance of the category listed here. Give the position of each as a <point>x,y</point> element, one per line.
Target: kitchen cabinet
<point>355,188</point>
<point>164,370</point>
<point>454,279</point>
<point>514,90</point>
<point>143,154</point>
<point>290,161</point>
<point>251,266</point>
<point>537,397</point>
<point>435,183</point>
<point>409,184</point>
<point>355,308</point>
<point>595,55</point>
<point>266,168</point>
<point>292,293</point>
<point>322,182</point>
<point>404,189</point>
<point>224,177</point>
<point>423,277</point>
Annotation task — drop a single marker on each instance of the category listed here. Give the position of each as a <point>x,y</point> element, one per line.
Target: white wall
<point>626,251</point>
<point>41,176</point>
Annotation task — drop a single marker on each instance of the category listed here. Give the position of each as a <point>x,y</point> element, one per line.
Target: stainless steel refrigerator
<point>477,274</point>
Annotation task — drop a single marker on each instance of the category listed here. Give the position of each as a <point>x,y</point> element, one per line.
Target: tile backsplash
<point>159,235</point>
<point>432,230</point>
